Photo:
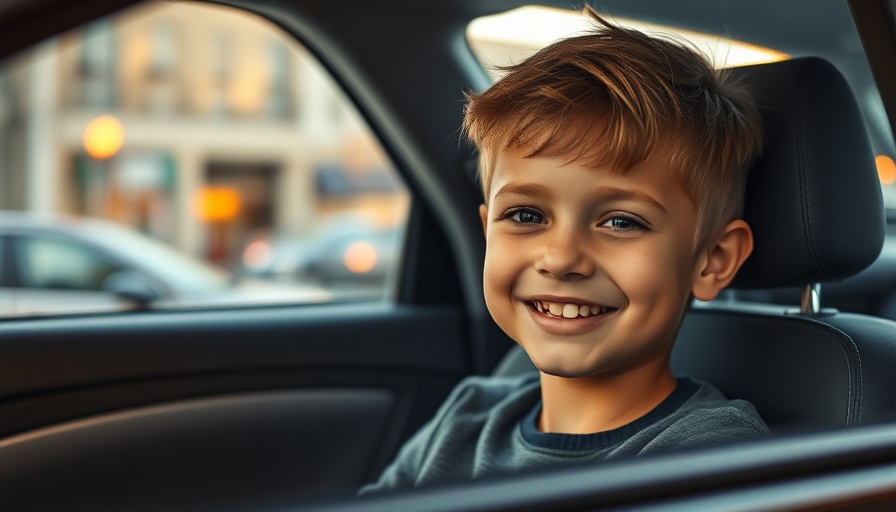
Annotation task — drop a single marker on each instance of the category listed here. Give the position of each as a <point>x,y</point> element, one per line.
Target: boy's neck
<point>586,405</point>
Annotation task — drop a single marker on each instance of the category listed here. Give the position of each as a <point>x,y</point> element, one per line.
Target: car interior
<point>295,406</point>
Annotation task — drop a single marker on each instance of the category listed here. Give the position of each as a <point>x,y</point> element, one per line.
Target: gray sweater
<point>487,427</point>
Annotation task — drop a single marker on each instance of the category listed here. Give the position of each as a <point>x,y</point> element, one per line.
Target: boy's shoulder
<point>445,448</point>
<point>708,418</point>
<point>709,405</point>
<point>481,394</point>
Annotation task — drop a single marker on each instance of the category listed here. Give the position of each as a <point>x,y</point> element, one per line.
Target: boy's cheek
<point>492,269</point>
<point>499,258</point>
<point>491,295</point>
<point>497,273</point>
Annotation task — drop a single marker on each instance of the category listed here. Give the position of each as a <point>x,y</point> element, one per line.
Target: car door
<point>55,275</point>
<point>241,406</point>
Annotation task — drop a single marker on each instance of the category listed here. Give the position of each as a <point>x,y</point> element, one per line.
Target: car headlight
<point>258,255</point>
<point>360,257</point>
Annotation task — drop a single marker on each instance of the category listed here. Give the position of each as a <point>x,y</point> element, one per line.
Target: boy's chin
<point>567,371</point>
<point>572,368</point>
<point>567,374</point>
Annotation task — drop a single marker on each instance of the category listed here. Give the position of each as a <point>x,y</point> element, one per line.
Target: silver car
<point>55,264</point>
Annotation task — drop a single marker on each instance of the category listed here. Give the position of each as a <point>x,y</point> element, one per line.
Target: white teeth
<point>568,310</point>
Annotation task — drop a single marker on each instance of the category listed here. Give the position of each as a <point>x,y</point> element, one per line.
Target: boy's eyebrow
<point>524,189</point>
<point>611,193</point>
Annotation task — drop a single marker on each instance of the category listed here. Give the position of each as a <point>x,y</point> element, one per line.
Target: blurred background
<point>182,154</point>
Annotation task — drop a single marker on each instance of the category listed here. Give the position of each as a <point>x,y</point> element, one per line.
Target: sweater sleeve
<point>406,467</point>
<point>445,447</point>
<point>403,471</point>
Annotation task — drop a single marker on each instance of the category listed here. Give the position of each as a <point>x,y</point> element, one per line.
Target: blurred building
<point>229,128</point>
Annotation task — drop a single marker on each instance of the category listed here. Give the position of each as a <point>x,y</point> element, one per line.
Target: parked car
<point>348,255</point>
<point>266,408</point>
<point>56,264</point>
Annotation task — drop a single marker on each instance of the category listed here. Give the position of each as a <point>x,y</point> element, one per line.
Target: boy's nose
<point>564,256</point>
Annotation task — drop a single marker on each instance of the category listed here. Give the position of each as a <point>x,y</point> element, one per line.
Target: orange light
<point>216,203</point>
<point>360,257</point>
<point>103,137</point>
<point>886,169</point>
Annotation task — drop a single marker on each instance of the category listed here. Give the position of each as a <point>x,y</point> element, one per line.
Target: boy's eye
<point>526,216</point>
<point>623,223</point>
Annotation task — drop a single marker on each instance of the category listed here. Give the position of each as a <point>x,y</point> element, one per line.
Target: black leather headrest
<point>813,198</point>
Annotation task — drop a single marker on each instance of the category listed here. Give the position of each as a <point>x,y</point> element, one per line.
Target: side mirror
<point>130,286</point>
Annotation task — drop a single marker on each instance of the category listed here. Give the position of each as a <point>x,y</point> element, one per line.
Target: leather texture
<point>822,371</point>
<point>813,198</point>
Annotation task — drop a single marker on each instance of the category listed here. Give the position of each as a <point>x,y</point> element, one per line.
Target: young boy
<point>613,166</point>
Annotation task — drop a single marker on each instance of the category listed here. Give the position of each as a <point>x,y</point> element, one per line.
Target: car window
<point>205,147</point>
<point>503,39</point>
<point>59,264</point>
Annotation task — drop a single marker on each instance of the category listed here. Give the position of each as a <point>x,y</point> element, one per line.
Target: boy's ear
<point>483,214</point>
<point>721,260</point>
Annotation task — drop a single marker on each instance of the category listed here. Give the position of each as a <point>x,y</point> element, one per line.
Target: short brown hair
<point>615,96</point>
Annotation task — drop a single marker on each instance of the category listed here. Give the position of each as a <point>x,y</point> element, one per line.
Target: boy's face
<point>591,272</point>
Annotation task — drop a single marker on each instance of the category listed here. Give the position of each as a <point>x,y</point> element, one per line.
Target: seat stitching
<point>806,192</point>
<point>860,376</point>
<point>857,373</point>
<point>803,174</point>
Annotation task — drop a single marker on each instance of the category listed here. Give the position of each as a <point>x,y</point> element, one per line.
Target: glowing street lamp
<point>103,137</point>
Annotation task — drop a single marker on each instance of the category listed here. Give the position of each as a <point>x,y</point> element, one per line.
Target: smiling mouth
<point>569,310</point>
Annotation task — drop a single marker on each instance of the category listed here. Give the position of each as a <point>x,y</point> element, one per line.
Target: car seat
<point>814,202</point>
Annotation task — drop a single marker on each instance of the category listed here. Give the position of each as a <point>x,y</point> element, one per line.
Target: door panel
<point>305,399</point>
<point>263,446</point>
